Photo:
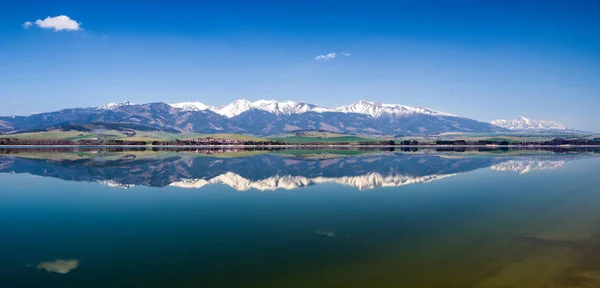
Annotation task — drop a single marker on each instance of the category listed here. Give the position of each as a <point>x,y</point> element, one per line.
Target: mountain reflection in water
<point>340,218</point>
<point>273,169</point>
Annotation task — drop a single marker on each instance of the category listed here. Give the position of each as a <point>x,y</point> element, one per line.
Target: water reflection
<point>529,165</point>
<point>59,266</point>
<point>268,170</point>
<point>475,227</point>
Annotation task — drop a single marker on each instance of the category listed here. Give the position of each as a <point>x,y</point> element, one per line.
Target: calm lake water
<point>299,218</point>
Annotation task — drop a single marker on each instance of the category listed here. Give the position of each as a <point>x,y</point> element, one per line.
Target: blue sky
<point>480,59</point>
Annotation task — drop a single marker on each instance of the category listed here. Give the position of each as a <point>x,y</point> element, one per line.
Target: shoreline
<point>306,146</point>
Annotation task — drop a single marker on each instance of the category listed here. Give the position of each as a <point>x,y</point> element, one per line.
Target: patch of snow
<point>191,106</point>
<point>114,105</point>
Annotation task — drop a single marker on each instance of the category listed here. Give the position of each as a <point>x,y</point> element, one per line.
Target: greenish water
<point>285,219</point>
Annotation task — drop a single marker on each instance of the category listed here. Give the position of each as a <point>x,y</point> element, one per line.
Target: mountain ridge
<point>263,117</point>
<point>371,108</point>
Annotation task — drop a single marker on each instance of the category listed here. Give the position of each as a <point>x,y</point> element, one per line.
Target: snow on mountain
<point>525,124</point>
<point>5,125</point>
<point>240,106</point>
<point>525,166</point>
<point>288,182</point>
<point>234,108</point>
<point>191,106</point>
<point>287,107</point>
<point>111,106</point>
<point>372,109</point>
<point>375,109</point>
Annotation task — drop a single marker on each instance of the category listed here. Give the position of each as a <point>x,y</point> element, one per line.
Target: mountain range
<point>263,117</point>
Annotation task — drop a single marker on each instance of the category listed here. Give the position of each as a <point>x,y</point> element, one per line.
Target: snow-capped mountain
<point>262,117</point>
<point>191,106</point>
<point>375,109</point>
<point>240,106</point>
<point>234,108</point>
<point>289,182</point>
<point>288,107</point>
<point>525,124</point>
<point>111,106</point>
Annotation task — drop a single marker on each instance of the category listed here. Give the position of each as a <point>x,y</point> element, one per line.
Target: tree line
<point>215,142</point>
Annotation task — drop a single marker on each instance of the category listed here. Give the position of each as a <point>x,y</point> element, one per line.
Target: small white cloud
<point>346,54</point>
<point>57,23</point>
<point>326,56</point>
<point>325,233</point>
<point>59,266</point>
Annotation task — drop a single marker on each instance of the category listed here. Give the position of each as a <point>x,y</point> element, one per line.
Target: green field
<point>66,135</point>
<point>147,136</point>
<point>320,137</point>
<point>300,138</point>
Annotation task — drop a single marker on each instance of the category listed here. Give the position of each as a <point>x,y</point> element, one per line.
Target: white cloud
<point>325,233</point>
<point>59,266</point>
<point>57,23</point>
<point>346,54</point>
<point>326,56</point>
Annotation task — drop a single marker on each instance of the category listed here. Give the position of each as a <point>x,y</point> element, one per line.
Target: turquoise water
<point>96,218</point>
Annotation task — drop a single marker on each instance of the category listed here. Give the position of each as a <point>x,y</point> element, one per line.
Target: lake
<point>193,217</point>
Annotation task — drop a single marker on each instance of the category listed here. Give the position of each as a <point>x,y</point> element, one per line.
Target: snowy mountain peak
<point>526,124</point>
<point>191,106</point>
<point>373,109</point>
<point>111,106</point>
<point>234,108</point>
<point>377,109</point>
<point>240,106</point>
<point>287,107</point>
